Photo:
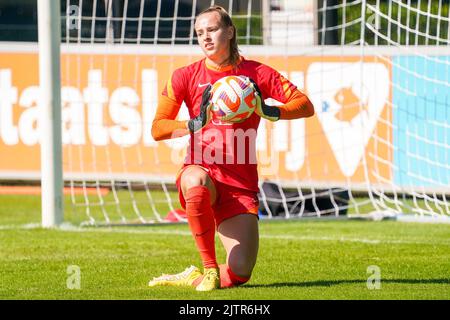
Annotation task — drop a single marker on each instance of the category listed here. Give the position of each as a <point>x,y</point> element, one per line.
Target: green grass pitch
<point>298,259</point>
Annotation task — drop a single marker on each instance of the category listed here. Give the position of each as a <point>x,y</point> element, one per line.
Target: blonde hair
<point>226,21</point>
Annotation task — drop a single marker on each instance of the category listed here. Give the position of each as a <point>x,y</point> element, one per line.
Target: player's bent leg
<point>185,278</point>
<point>198,190</point>
<point>240,238</point>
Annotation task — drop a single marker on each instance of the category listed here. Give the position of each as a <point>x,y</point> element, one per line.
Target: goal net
<point>376,71</point>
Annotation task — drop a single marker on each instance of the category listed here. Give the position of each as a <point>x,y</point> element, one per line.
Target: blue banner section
<point>421,119</point>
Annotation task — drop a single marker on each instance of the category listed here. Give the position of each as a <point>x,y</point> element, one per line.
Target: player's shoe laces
<point>185,278</point>
<point>210,281</point>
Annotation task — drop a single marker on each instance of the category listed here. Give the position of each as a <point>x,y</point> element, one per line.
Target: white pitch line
<point>71,228</point>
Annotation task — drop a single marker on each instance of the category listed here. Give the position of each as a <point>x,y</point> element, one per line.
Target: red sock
<point>228,279</point>
<point>201,221</point>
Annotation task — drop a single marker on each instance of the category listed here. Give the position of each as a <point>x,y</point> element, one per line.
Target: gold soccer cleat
<point>210,281</point>
<point>185,278</point>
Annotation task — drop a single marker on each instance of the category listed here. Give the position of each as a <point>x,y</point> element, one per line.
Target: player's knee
<point>239,275</point>
<point>192,179</point>
<point>241,268</point>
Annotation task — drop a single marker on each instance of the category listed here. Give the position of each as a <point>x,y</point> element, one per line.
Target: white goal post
<point>377,72</point>
<point>49,26</point>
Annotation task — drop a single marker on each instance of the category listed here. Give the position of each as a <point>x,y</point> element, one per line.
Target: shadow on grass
<point>329,283</point>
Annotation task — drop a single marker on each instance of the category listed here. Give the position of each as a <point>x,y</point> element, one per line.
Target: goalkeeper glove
<point>263,110</point>
<point>204,117</point>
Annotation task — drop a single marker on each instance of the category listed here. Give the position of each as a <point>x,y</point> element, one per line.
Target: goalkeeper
<point>220,196</point>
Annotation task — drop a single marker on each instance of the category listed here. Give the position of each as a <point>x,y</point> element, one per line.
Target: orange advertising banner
<point>109,101</point>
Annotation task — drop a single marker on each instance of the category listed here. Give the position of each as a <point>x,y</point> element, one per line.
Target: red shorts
<point>230,201</point>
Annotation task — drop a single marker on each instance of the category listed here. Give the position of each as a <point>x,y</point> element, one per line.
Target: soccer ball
<point>233,99</point>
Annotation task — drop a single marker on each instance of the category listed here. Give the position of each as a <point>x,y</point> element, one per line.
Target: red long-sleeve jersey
<point>227,150</point>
